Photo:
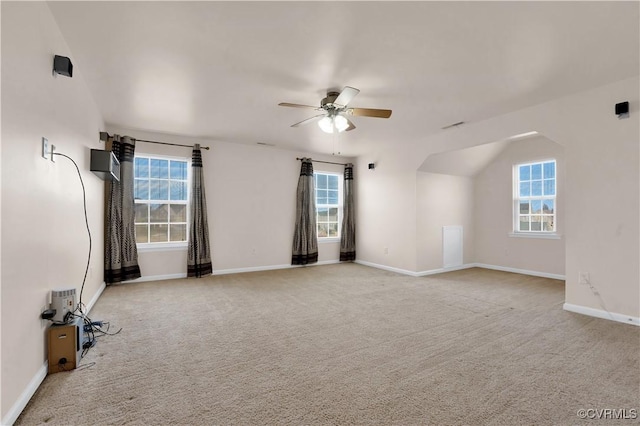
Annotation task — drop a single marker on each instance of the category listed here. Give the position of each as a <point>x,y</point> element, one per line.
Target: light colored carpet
<point>345,344</point>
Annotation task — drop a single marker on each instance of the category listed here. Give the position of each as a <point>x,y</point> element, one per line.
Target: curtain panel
<point>305,239</point>
<point>121,253</point>
<point>198,251</point>
<point>348,232</point>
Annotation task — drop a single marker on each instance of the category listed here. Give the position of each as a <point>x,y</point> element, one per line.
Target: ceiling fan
<point>335,109</point>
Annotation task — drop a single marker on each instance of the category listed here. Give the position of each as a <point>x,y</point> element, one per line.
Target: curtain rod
<point>105,135</point>
<point>325,162</point>
<point>167,143</point>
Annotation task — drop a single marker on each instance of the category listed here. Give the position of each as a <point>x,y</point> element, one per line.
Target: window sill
<point>328,240</point>
<point>149,247</point>
<point>540,235</point>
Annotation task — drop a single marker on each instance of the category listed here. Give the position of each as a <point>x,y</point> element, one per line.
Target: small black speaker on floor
<point>62,65</point>
<point>622,109</point>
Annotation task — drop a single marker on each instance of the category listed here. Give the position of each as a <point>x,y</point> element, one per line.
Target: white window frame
<point>517,198</point>
<point>166,245</point>
<point>339,205</point>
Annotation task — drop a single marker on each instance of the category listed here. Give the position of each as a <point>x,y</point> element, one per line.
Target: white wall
<point>251,193</point>
<point>443,200</point>
<point>44,239</point>
<point>386,212</point>
<point>602,168</point>
<point>494,211</point>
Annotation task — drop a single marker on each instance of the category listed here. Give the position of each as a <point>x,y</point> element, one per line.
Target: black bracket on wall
<point>622,110</point>
<point>62,65</point>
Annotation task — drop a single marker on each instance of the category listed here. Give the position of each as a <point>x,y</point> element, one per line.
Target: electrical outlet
<point>45,148</point>
<point>583,278</point>
<point>53,149</point>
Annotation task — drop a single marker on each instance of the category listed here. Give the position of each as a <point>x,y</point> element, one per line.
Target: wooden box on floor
<point>65,346</point>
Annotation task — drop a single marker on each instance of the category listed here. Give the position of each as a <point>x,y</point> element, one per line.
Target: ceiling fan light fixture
<point>330,124</point>
<point>335,107</point>
<point>326,124</point>
<point>340,123</point>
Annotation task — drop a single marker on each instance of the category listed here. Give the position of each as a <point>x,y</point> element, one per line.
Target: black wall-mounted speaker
<point>62,65</point>
<point>622,108</point>
<point>105,165</point>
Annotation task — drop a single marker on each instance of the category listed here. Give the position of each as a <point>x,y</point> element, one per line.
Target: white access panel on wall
<point>452,246</point>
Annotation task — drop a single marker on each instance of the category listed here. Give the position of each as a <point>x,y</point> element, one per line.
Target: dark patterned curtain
<point>348,232</point>
<point>120,253</point>
<point>199,253</point>
<point>305,240</point>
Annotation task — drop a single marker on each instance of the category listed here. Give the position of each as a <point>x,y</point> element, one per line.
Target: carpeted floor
<point>346,344</point>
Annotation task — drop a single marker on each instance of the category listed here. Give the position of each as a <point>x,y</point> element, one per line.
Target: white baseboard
<point>40,375</point>
<point>519,271</point>
<point>598,313</point>
<point>158,278</point>
<point>25,396</point>
<point>231,271</point>
<point>457,268</point>
<point>270,268</point>
<point>441,270</point>
<point>327,262</point>
<point>387,268</point>
<point>416,274</point>
<point>95,297</point>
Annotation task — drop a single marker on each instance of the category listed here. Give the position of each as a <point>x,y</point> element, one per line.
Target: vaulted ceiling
<point>218,70</point>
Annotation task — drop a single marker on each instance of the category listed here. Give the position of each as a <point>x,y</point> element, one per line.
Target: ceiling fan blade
<point>370,112</point>
<point>346,96</point>
<point>308,120</point>
<point>287,104</point>
<point>351,125</point>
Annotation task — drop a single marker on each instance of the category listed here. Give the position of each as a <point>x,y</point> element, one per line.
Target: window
<point>328,204</point>
<point>160,192</point>
<point>535,197</point>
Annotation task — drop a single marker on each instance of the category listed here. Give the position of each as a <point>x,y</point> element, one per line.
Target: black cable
<point>105,333</point>
<point>87,321</point>
<point>85,366</point>
<point>86,220</point>
<point>99,329</point>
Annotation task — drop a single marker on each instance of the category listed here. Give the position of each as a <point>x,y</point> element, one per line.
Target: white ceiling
<point>463,162</point>
<point>218,70</point>
<point>470,161</point>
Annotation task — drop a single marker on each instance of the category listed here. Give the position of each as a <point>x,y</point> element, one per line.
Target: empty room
<point>388,213</point>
